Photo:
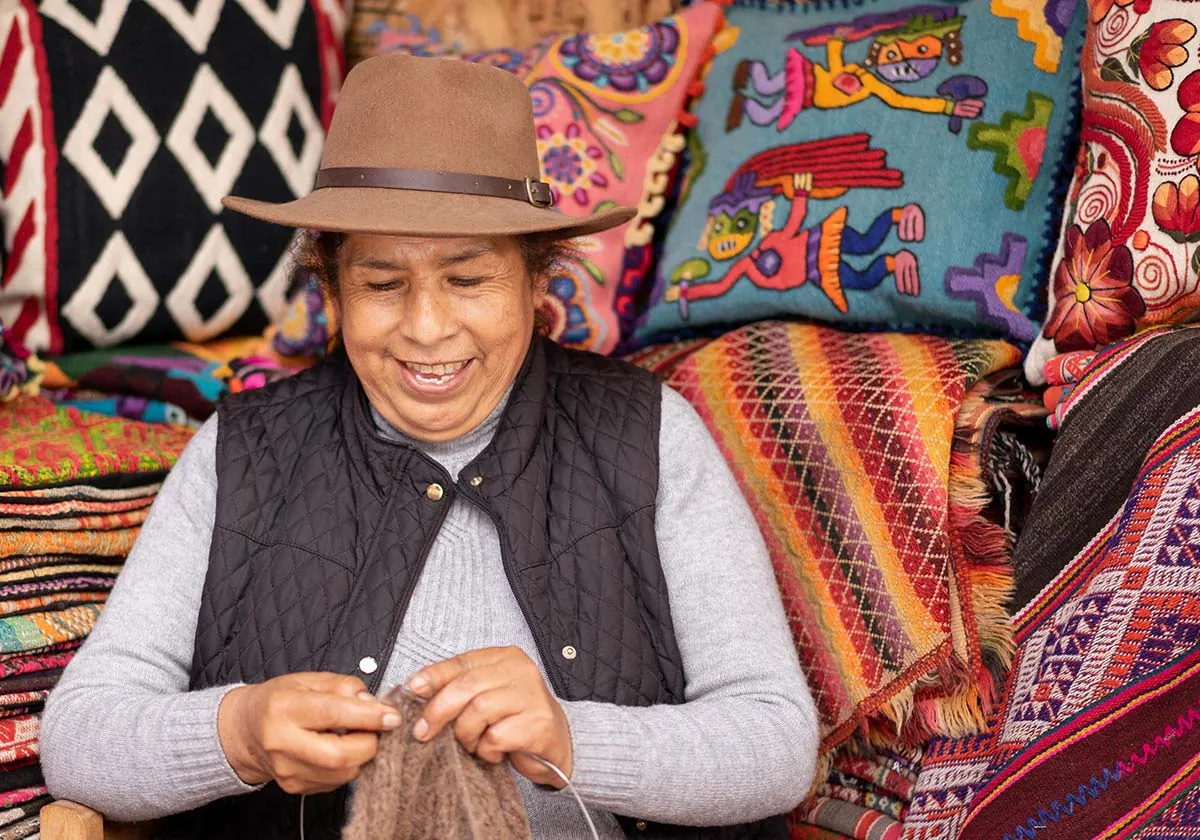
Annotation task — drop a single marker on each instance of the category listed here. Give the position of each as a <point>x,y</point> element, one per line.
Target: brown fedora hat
<point>430,147</point>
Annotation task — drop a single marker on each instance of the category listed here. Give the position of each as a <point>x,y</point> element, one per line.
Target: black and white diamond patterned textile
<point>159,109</point>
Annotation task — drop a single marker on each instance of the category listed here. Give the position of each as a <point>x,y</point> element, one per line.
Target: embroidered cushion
<point>121,127</point>
<point>606,110</point>
<point>1127,258</point>
<point>877,164</point>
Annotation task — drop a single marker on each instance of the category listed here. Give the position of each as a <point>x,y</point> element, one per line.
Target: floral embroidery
<point>626,61</point>
<point>1176,209</point>
<point>1095,301</point>
<point>569,162</point>
<point>1160,49</point>
<point>1100,8</point>
<point>1185,137</point>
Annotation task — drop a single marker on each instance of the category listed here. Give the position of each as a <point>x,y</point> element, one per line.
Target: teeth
<point>435,373</point>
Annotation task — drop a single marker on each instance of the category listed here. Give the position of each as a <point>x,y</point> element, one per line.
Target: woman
<point>546,544</point>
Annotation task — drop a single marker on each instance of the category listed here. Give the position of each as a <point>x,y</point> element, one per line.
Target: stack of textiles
<point>74,490</point>
<point>178,383</point>
<point>864,797</point>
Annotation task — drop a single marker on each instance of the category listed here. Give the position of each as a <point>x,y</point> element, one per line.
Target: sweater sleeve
<point>743,746</point>
<point>121,732</point>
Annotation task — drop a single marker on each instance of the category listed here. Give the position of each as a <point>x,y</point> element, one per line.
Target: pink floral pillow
<point>1129,257</point>
<point>608,111</point>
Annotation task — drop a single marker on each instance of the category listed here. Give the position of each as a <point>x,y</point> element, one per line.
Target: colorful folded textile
<point>33,663</point>
<point>1097,731</point>
<point>21,830</point>
<point>877,772</point>
<point>23,811</point>
<point>22,781</point>
<point>19,738</point>
<point>848,819</point>
<point>1154,378</point>
<point>47,631</point>
<point>26,796</point>
<point>842,444</point>
<point>42,680</point>
<point>178,384</point>
<point>46,445</point>
<point>889,806</point>
<point>21,703</point>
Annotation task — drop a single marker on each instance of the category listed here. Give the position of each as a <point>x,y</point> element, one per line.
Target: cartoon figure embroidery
<point>908,46</point>
<point>791,256</point>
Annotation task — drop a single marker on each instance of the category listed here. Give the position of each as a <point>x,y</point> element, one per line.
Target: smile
<point>438,374</point>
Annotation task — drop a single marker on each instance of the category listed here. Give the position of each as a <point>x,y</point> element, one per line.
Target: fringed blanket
<point>1099,730</point>
<point>842,444</point>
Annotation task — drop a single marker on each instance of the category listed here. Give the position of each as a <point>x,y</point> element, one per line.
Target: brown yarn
<point>435,789</point>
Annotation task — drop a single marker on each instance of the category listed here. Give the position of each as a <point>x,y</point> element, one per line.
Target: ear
<point>703,244</point>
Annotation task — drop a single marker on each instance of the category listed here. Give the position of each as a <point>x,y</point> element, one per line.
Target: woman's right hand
<point>309,732</point>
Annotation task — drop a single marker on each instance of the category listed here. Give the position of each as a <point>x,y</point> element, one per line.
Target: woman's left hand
<point>500,708</point>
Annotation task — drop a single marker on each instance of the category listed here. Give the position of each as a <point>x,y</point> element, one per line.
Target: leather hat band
<point>536,193</point>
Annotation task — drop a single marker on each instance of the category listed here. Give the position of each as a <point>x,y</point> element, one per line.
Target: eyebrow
<point>380,264</point>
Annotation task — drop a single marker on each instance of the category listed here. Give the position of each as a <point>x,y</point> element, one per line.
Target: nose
<point>428,318</point>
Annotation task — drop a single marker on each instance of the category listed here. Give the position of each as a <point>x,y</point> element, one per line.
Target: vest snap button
<point>434,492</point>
<point>476,481</point>
<point>569,652</point>
<point>368,665</point>
<point>640,825</point>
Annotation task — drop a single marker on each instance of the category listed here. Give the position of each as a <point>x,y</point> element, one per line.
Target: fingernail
<point>365,695</point>
<point>391,720</point>
<point>421,730</point>
<point>418,685</point>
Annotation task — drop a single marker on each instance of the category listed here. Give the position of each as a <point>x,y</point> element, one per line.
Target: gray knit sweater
<point>122,733</point>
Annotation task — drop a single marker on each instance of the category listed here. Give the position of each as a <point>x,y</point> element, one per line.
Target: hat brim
<point>415,213</point>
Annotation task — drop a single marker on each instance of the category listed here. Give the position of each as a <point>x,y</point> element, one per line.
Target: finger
<point>510,735</point>
<point>433,678</point>
<point>325,681</point>
<point>320,712</point>
<point>326,751</point>
<point>486,710</point>
<point>297,777</point>
<point>450,702</point>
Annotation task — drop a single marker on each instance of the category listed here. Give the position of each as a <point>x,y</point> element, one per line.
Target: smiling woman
<point>518,533</point>
<point>436,328</point>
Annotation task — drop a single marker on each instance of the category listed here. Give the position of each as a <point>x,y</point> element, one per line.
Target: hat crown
<point>438,114</point>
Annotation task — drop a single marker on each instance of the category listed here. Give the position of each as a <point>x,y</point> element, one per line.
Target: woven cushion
<point>122,125</point>
<point>907,212</point>
<point>1127,258</point>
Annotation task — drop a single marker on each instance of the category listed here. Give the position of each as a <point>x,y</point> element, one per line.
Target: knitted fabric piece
<point>434,789</point>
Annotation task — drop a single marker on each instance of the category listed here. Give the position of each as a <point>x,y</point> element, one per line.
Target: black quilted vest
<point>322,529</point>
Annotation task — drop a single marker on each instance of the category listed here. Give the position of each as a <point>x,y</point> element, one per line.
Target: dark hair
<point>542,255</point>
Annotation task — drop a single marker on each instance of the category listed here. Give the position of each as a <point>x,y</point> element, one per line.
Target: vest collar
<point>379,461</point>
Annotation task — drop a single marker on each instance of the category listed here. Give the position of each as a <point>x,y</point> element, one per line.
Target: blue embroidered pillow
<point>877,163</point>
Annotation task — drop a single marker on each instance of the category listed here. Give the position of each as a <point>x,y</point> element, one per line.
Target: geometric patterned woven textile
<point>122,125</point>
<point>44,445</point>
<point>1099,730</point>
<point>841,443</point>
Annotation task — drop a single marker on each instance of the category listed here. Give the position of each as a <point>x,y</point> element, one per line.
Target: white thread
<point>570,788</point>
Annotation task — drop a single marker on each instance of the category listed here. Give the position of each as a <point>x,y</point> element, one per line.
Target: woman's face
<point>436,328</point>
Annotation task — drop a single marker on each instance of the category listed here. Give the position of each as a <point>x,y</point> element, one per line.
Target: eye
<point>465,282</point>
<point>741,224</point>
<point>923,49</point>
<point>385,286</point>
